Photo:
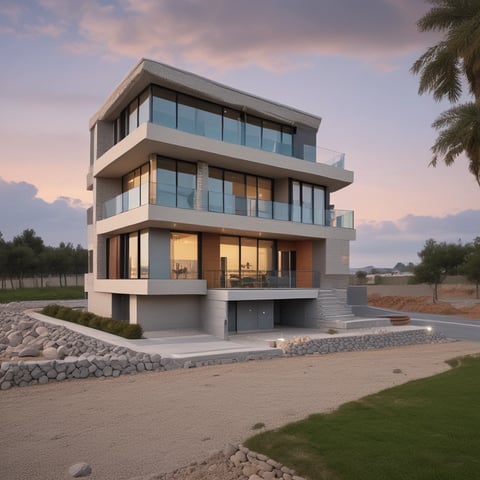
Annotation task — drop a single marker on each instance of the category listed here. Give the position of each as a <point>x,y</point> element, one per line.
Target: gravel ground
<point>147,424</point>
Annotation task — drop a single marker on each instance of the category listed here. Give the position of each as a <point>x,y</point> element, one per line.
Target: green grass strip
<point>424,430</point>
<point>45,293</point>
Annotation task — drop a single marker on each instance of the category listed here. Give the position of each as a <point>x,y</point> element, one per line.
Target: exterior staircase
<point>332,309</point>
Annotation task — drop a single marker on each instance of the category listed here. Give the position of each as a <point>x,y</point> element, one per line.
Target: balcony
<point>262,279</point>
<point>215,202</point>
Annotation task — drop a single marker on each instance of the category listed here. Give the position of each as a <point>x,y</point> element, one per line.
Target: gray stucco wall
<point>304,136</point>
<point>158,312</point>
<point>159,253</point>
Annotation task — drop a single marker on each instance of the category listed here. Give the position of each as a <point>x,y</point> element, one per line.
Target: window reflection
<point>133,255</point>
<point>245,262</point>
<point>200,117</point>
<point>232,126</point>
<point>215,189</point>
<point>164,107</point>
<point>183,255</point>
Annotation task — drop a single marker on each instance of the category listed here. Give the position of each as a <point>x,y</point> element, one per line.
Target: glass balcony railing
<point>216,202</point>
<point>262,279</point>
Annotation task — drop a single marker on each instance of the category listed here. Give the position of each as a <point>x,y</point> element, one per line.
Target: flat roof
<point>149,71</point>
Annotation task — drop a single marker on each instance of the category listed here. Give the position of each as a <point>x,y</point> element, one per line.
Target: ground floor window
<point>127,255</point>
<point>245,261</point>
<point>184,255</point>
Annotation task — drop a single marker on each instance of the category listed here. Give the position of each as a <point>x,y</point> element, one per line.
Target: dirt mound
<point>461,303</point>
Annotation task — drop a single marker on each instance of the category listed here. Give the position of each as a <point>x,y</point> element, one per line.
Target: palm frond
<point>440,72</point>
<point>447,14</point>
<point>459,133</point>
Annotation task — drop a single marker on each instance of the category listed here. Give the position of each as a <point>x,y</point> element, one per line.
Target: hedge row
<point>116,327</point>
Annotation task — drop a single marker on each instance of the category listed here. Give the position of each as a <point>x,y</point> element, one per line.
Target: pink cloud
<point>228,33</point>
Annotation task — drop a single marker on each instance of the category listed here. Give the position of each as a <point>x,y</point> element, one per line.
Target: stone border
<point>73,355</point>
<point>382,338</point>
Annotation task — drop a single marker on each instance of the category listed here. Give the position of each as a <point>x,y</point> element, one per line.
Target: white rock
<point>50,353</point>
<point>42,331</point>
<point>81,469</point>
<point>15,339</point>
<point>28,352</point>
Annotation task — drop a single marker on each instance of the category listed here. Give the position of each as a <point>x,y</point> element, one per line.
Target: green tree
<point>361,276</point>
<point>30,240</point>
<point>471,267</point>
<point>3,261</point>
<point>443,67</point>
<point>439,260</point>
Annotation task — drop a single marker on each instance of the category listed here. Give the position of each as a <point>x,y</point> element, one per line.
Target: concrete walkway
<point>195,345</point>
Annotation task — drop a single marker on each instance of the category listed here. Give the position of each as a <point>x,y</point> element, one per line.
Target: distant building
<point>211,208</point>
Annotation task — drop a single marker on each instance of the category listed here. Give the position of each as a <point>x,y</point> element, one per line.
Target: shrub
<point>88,319</point>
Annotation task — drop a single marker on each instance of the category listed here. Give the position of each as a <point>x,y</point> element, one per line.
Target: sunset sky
<point>343,60</point>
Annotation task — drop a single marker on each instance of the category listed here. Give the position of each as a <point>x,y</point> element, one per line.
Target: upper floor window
<point>176,110</point>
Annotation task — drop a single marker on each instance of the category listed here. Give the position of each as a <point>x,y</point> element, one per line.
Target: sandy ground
<point>456,300</point>
<point>156,422</point>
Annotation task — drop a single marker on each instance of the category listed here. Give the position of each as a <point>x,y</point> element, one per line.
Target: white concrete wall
<point>100,303</point>
<point>214,316</point>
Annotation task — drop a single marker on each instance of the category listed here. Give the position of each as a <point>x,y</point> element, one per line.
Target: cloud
<point>275,34</point>
<point>63,220</point>
<point>384,243</point>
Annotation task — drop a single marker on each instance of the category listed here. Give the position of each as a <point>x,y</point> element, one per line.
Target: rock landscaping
<point>233,463</point>
<point>35,352</point>
<point>380,338</point>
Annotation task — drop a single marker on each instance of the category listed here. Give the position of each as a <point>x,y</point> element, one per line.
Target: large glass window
<point>266,250</point>
<point>319,205</point>
<point>186,184</point>
<point>286,147</point>
<point>135,187</point>
<point>133,255</point>
<point>307,203</point>
<point>307,213</point>
<point>239,194</point>
<point>215,189</point>
<point>229,262</point>
<point>296,202</point>
<point>253,132</point>
<point>271,137</point>
<point>235,201</point>
<point>176,183</point>
<point>184,255</point>
<point>143,254</point>
<point>164,107</point>
<point>265,204</point>
<point>199,117</point>
<point>144,107</point>
<point>144,183</point>
<point>248,261</point>
<point>245,262</point>
<point>166,182</point>
<point>232,126</point>
<point>251,196</point>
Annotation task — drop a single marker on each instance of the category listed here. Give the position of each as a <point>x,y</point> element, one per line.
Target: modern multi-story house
<point>211,208</point>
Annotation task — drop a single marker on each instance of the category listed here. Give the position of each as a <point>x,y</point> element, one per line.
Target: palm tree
<point>442,68</point>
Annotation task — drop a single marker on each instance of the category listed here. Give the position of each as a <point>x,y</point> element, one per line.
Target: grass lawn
<point>46,293</point>
<point>424,430</point>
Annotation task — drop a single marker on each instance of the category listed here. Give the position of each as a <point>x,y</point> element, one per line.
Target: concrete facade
<point>200,191</point>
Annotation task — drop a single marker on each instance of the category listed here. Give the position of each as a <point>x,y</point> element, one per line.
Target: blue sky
<point>344,60</point>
